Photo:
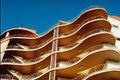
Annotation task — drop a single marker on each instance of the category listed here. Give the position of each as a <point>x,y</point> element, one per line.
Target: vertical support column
<point>53,61</point>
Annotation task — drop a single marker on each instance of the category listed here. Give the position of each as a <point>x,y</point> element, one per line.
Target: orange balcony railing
<point>91,70</point>
<point>83,36</point>
<point>45,42</point>
<point>93,48</point>
<point>34,75</point>
<point>38,58</point>
<point>10,60</point>
<point>22,35</point>
<point>33,60</point>
<point>31,75</point>
<point>14,47</point>
<point>91,18</point>
<point>7,77</point>
<point>73,60</point>
<point>96,68</point>
<point>71,45</point>
<point>94,31</point>
<point>30,47</point>
<point>78,77</point>
<point>17,35</point>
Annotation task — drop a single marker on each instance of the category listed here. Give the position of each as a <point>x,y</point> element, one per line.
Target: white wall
<point>115,31</point>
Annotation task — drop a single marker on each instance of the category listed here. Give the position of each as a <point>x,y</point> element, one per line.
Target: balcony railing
<point>34,75</point>
<point>94,31</point>
<point>71,45</point>
<point>87,50</point>
<point>68,46</point>
<point>22,35</point>
<point>67,63</point>
<point>7,76</point>
<point>83,36</point>
<point>16,35</point>
<point>91,18</point>
<point>14,47</point>
<point>22,60</point>
<point>30,47</point>
<point>31,75</point>
<point>37,46</point>
<point>78,77</point>
<point>10,60</point>
<point>69,32</point>
<point>93,48</point>
<point>36,59</point>
<point>73,60</point>
<point>96,68</point>
<point>91,70</point>
<point>32,60</point>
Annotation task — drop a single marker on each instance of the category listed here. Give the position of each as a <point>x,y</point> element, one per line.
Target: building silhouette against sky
<point>88,48</point>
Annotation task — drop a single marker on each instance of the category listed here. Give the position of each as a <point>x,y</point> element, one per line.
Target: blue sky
<point>41,15</point>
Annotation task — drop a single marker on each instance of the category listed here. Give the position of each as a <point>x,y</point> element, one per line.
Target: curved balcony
<point>93,48</point>
<point>85,72</point>
<point>94,39</point>
<point>91,25</point>
<point>28,54</point>
<point>21,61</point>
<point>14,47</point>
<point>27,68</point>
<point>31,47</point>
<point>80,56</point>
<point>40,45</point>
<point>7,77</point>
<point>97,69</point>
<point>82,37</point>
<point>9,61</point>
<point>89,61</point>
<point>23,35</point>
<point>28,39</point>
<point>105,74</point>
<point>16,31</point>
<point>29,76</point>
<point>92,71</point>
<point>84,53</point>
<point>94,31</point>
<point>85,15</point>
<point>79,25</point>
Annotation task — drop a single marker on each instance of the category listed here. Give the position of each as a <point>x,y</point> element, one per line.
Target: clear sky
<point>41,15</point>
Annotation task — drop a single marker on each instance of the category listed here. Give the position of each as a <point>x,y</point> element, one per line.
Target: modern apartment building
<point>87,48</point>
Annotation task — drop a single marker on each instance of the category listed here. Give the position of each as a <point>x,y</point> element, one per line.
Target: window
<point>115,26</point>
